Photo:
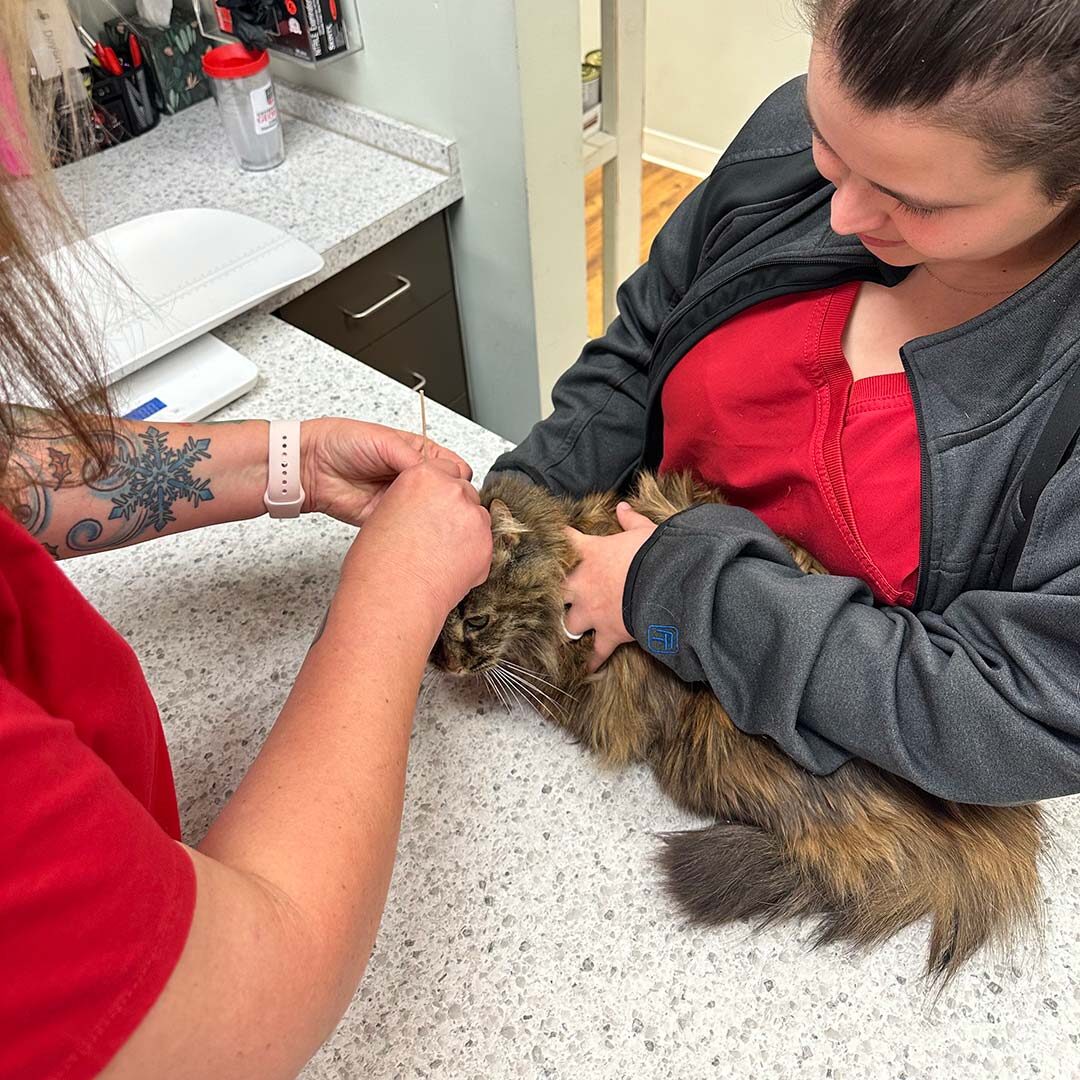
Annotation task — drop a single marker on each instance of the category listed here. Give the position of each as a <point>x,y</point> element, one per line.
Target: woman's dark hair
<point>1006,72</point>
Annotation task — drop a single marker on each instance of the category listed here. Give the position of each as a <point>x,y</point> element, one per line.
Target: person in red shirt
<point>124,952</point>
<point>861,329</point>
<point>799,408</point>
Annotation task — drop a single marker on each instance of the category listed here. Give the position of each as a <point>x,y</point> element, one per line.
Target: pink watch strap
<point>284,495</point>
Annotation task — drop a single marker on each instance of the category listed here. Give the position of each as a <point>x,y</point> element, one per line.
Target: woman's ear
<point>506,531</point>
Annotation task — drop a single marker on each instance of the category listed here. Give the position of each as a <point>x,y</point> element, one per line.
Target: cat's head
<point>515,617</point>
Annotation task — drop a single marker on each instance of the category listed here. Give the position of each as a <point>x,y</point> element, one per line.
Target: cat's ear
<point>506,530</point>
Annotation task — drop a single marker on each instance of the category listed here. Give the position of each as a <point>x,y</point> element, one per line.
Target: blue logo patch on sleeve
<point>664,640</point>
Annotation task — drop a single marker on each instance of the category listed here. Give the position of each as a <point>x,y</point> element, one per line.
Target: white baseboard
<point>685,155</point>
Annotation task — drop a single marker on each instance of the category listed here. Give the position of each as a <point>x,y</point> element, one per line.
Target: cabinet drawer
<point>429,344</point>
<point>382,291</point>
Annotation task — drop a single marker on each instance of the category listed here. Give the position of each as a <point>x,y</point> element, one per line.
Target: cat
<point>862,851</point>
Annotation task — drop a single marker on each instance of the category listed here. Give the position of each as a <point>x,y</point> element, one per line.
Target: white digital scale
<point>150,290</point>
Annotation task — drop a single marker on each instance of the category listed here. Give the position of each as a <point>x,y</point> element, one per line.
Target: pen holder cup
<point>244,91</point>
<point>126,102</point>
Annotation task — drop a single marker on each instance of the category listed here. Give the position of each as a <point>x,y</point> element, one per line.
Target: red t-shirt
<point>96,895</point>
<point>765,409</point>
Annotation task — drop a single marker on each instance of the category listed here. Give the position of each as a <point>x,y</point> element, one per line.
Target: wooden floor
<point>661,191</point>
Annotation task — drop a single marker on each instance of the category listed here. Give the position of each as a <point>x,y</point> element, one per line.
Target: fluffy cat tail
<point>731,871</point>
<point>980,887</point>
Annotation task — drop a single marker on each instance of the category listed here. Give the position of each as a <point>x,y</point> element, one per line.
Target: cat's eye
<point>477,622</point>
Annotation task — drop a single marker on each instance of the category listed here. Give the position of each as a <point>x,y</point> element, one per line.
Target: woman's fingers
<point>439,454</point>
<point>577,539</point>
<point>450,466</point>
<point>603,647</point>
<point>594,588</point>
<point>576,620</point>
<point>631,519</point>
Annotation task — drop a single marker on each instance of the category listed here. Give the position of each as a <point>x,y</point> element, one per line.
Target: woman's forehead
<point>899,149</point>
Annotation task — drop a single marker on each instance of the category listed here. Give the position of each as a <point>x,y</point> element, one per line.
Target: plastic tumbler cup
<point>244,92</point>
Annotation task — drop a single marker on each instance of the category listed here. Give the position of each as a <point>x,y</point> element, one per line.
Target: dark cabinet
<point>396,311</point>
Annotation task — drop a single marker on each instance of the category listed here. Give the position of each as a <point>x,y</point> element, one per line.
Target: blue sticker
<point>663,640</point>
<point>147,408</point>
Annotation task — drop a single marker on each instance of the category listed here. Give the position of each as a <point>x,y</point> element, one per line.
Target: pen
<point>109,60</point>
<point>106,56</point>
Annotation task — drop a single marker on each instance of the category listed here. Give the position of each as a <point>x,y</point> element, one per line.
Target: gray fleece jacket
<point>974,693</point>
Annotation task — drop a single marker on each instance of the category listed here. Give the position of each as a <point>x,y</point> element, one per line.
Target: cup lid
<point>234,61</point>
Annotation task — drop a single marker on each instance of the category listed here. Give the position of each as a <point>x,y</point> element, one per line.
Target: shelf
<point>292,47</point>
<point>598,149</point>
<point>617,146</point>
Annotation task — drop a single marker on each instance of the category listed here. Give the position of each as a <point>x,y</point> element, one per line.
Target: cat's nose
<point>441,658</point>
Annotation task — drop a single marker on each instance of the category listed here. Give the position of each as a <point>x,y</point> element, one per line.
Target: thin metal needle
<point>421,382</point>
<point>423,422</point>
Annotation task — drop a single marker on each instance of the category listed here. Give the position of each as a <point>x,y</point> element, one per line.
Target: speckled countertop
<point>351,181</point>
<point>525,933</point>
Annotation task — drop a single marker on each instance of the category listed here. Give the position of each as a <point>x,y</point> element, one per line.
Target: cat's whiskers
<point>497,684</point>
<point>500,680</point>
<point>536,691</point>
<point>540,678</point>
<point>552,709</point>
<point>509,688</point>
<point>487,681</point>
<point>432,677</point>
<point>506,696</point>
<point>537,703</point>
<point>494,687</point>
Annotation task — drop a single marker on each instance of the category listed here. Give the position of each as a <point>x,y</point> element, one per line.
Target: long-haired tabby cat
<point>863,851</point>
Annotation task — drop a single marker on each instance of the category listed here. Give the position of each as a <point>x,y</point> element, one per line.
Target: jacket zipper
<point>925,509</point>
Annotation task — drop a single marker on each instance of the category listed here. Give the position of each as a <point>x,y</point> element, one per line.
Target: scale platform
<point>151,289</point>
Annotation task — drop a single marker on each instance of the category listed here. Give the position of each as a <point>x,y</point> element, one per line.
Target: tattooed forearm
<point>147,478</point>
<point>74,511</point>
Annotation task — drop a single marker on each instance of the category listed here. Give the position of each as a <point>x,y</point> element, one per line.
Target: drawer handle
<point>421,380</point>
<point>406,285</point>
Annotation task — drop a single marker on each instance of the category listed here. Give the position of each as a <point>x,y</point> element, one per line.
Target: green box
<point>175,58</point>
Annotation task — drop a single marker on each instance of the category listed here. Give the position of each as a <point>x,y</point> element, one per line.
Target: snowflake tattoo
<point>155,477</point>
<point>59,466</point>
<point>145,479</point>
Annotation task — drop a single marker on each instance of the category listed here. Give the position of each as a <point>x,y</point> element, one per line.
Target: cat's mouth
<point>459,668</point>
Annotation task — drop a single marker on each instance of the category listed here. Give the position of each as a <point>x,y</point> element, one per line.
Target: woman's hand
<point>348,465</point>
<point>594,589</point>
<point>429,540</point>
<point>292,877</point>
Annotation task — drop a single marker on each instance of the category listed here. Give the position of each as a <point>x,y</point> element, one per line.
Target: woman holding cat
<point>857,328</point>
<point>124,952</point>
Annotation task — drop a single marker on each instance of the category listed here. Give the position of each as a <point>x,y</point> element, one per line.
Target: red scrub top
<point>765,408</point>
<point>96,894</point>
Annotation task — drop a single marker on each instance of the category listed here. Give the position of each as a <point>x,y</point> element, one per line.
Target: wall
<point>709,64</point>
<point>482,72</point>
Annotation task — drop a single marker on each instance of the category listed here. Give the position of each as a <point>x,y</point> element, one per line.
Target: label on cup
<point>264,108</point>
